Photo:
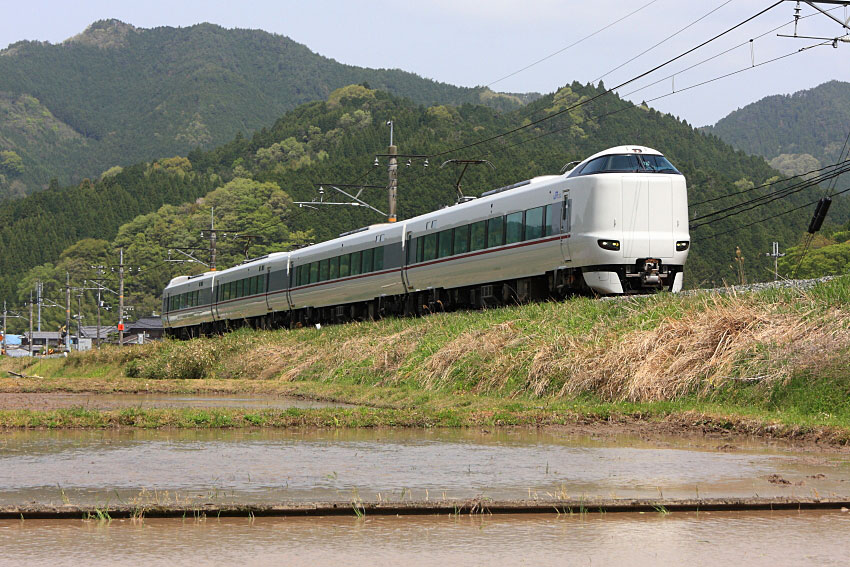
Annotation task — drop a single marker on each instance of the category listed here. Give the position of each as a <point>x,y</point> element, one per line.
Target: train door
<point>566,225</point>
<point>406,257</point>
<point>267,279</point>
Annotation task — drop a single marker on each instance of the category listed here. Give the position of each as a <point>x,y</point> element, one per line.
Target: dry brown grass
<point>692,354</point>
<point>489,346</point>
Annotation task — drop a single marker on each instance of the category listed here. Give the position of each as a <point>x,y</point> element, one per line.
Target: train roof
<point>625,150</point>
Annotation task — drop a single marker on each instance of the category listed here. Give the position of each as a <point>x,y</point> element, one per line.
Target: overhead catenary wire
<point>722,53</point>
<point>634,107</point>
<point>663,41</point>
<point>583,39</point>
<point>607,91</point>
<point>502,150</point>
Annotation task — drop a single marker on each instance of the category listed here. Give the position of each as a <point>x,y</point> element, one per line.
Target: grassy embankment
<point>774,363</point>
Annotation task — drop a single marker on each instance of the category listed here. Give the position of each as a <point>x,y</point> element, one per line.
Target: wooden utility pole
<point>121,297</point>
<point>392,151</point>
<point>4,327</point>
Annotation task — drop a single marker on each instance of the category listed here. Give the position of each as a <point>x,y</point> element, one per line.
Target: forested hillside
<point>794,132</point>
<point>252,182</point>
<point>117,95</point>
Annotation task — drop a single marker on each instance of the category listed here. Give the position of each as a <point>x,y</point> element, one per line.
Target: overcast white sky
<point>476,42</point>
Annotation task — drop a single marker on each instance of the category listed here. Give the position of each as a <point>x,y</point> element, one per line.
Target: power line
<point>763,201</point>
<point>632,106</point>
<point>779,194</point>
<point>764,219</point>
<point>665,40</point>
<point>600,30</point>
<point>713,199</point>
<point>608,91</point>
<point>722,53</point>
<point>703,83</point>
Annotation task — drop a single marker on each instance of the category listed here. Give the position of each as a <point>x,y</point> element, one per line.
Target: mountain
<point>796,132</point>
<point>118,95</point>
<point>252,182</point>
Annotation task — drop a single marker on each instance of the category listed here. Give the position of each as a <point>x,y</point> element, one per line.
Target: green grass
<point>484,367</point>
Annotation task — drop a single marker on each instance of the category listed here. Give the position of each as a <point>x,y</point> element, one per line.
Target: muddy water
<point>769,539</point>
<point>272,466</point>
<point>62,400</point>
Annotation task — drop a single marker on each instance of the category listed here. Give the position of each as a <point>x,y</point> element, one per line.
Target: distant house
<point>149,327</point>
<point>90,332</point>
<point>42,340</point>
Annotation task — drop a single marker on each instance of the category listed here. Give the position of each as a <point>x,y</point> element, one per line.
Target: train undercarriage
<point>554,285</point>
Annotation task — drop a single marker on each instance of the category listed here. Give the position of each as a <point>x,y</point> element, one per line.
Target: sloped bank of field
<point>779,356</point>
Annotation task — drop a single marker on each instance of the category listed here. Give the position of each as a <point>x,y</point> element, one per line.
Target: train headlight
<point>609,244</point>
<point>682,245</point>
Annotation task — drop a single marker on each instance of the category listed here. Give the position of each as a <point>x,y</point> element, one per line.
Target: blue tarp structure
<point>13,339</point>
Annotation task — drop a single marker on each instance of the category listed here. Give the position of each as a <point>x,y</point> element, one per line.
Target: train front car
<point>629,211</point>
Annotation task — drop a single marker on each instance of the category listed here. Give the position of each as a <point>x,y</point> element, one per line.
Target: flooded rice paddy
<point>771,539</point>
<point>274,466</point>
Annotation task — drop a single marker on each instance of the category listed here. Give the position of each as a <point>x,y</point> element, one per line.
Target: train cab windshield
<point>626,163</point>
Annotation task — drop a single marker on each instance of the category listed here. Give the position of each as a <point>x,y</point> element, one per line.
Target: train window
<point>237,289</point>
<point>495,232</point>
<point>367,261</point>
<point>444,239</point>
<point>657,164</point>
<point>323,270</point>
<point>514,228</point>
<point>430,247</point>
<point>344,263</point>
<point>420,249</point>
<point>333,270</point>
<point>461,245</point>
<point>355,263</point>
<point>566,224</point>
<point>314,272</point>
<point>261,286</point>
<point>379,258</point>
<point>477,236</point>
<point>549,218</point>
<point>534,223</point>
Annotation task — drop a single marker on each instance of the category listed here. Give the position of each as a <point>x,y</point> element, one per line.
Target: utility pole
<point>98,317</point>
<point>212,239</point>
<point>392,151</point>
<point>392,188</point>
<point>4,326</point>
<point>120,297</point>
<point>38,288</point>
<point>79,318</point>
<point>776,255</point>
<point>68,312</point>
<point>31,337</point>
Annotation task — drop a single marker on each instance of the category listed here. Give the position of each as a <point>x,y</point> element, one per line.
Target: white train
<point>616,223</point>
